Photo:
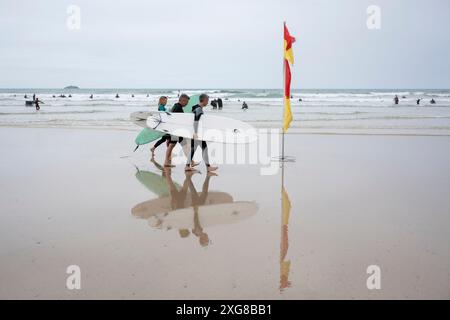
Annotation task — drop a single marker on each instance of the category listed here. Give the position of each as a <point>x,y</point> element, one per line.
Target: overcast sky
<point>224,44</point>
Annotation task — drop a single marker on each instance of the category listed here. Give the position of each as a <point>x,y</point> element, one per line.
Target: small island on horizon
<point>71,87</point>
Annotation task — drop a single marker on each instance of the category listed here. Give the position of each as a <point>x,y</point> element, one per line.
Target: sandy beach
<point>356,200</point>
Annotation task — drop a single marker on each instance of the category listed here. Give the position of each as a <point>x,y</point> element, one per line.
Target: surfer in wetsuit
<point>36,103</point>
<point>198,112</point>
<point>183,100</point>
<point>220,103</point>
<point>161,107</point>
<point>396,99</point>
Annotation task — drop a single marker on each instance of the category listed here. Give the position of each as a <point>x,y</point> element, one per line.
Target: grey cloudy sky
<point>224,44</point>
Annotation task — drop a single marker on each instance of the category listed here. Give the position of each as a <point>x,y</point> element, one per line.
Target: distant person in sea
<point>396,99</point>
<point>183,100</point>
<point>25,96</point>
<point>198,112</point>
<point>132,95</point>
<point>244,106</point>
<point>220,103</point>
<point>70,96</point>
<point>300,100</point>
<point>91,96</point>
<point>433,101</point>
<point>34,96</point>
<point>36,104</point>
<point>214,104</point>
<point>165,138</point>
<point>117,96</point>
<point>53,96</point>
<point>418,101</point>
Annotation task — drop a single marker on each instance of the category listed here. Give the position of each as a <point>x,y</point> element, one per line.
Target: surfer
<point>34,96</point>
<point>220,103</point>
<point>396,99</point>
<point>433,101</point>
<point>165,138</point>
<point>198,112</point>
<point>418,101</point>
<point>183,100</point>
<point>91,96</point>
<point>117,96</point>
<point>36,103</point>
<point>244,106</point>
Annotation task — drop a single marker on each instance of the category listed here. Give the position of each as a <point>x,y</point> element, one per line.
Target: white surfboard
<point>140,118</point>
<point>210,128</point>
<point>210,215</point>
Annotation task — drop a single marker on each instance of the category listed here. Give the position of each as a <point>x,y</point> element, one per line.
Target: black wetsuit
<point>177,108</point>
<point>198,112</point>
<point>220,103</point>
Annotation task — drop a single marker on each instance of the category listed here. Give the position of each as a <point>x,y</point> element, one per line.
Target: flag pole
<point>283,90</point>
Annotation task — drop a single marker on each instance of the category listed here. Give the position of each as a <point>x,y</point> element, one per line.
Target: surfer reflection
<point>183,208</point>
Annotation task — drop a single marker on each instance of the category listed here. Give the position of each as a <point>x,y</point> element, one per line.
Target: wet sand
<point>355,200</point>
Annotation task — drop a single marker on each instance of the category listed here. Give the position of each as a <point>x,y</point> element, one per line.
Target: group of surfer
<point>171,141</point>
<point>217,104</point>
<point>35,101</point>
<point>397,100</point>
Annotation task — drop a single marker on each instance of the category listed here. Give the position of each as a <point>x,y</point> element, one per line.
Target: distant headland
<point>71,87</point>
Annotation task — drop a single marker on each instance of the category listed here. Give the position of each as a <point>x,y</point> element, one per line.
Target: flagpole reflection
<point>285,265</point>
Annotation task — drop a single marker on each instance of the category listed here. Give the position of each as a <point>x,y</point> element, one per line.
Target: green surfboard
<point>148,135</point>
<point>155,183</point>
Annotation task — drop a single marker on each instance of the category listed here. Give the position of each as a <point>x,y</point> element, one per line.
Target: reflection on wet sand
<point>182,208</point>
<point>285,265</point>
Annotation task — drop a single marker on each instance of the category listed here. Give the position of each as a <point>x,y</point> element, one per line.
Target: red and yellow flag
<point>288,59</point>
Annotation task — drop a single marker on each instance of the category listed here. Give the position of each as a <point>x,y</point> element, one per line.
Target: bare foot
<point>189,168</point>
<point>194,164</point>
<point>211,174</point>
<point>211,168</point>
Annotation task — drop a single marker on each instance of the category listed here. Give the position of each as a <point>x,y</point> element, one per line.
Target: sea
<point>324,111</point>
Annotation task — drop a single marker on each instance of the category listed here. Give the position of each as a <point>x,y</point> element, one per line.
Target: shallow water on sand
<point>80,197</point>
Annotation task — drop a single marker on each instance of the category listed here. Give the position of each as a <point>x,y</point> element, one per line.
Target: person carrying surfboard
<point>183,100</point>
<point>198,112</point>
<point>36,103</point>
<point>161,107</point>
